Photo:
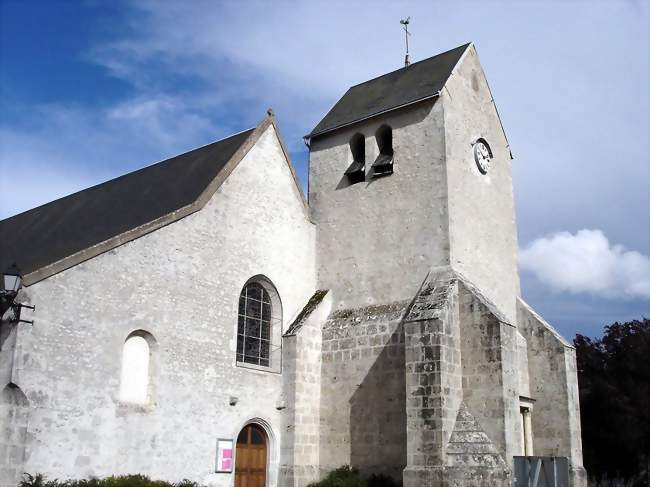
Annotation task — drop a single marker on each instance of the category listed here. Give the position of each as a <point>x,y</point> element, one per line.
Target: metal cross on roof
<point>405,26</point>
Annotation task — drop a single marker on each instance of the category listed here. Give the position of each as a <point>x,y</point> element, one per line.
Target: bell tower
<point>412,171</point>
<point>428,340</point>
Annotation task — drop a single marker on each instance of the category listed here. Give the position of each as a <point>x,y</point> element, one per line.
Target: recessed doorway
<point>250,458</point>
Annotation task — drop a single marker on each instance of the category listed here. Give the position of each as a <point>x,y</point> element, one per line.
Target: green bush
<point>39,480</point>
<point>381,480</point>
<point>347,476</point>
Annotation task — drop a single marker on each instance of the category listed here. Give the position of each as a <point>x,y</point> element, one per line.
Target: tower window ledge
<point>356,172</point>
<point>383,165</point>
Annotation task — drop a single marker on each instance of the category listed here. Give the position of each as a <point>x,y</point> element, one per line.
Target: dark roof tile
<point>419,81</point>
<point>49,233</point>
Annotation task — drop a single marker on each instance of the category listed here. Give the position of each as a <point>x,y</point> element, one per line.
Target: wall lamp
<point>12,282</point>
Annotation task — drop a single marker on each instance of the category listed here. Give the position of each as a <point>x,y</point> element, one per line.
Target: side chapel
<point>200,318</point>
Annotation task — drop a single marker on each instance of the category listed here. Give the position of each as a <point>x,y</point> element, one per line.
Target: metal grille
<point>254,326</point>
<point>541,471</point>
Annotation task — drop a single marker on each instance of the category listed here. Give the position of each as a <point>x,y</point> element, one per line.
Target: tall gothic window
<point>254,325</point>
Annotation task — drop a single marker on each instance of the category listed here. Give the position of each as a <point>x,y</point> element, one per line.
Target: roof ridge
<point>405,86</point>
<point>411,65</point>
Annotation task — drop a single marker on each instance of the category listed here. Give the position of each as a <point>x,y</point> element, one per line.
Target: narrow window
<point>134,384</point>
<point>357,170</point>
<point>383,165</point>
<point>254,325</point>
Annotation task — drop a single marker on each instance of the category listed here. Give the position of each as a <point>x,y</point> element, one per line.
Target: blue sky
<point>91,90</point>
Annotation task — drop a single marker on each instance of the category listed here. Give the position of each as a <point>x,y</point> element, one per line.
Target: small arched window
<point>357,170</point>
<point>383,165</point>
<point>136,369</point>
<point>255,324</point>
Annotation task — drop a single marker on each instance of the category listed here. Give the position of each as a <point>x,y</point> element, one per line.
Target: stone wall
<point>300,455</point>
<point>554,386</point>
<point>435,209</point>
<point>363,411</point>
<point>14,405</point>
<point>482,226</point>
<point>376,237</point>
<point>181,284</point>
<point>14,420</point>
<point>433,379</point>
<point>490,373</point>
<point>522,365</point>
<point>461,386</point>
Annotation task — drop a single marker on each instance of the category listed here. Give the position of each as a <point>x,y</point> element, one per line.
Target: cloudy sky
<point>91,90</point>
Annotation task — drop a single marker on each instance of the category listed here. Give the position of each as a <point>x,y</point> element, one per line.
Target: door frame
<point>270,447</point>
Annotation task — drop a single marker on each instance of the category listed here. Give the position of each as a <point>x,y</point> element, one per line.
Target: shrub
<point>347,476</point>
<point>39,480</point>
<point>381,480</point>
<point>606,481</point>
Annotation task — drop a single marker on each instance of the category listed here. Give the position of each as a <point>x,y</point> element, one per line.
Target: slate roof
<point>59,229</point>
<point>420,81</point>
<point>311,305</point>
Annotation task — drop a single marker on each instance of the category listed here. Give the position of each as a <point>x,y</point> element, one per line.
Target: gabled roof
<point>57,235</point>
<point>419,81</point>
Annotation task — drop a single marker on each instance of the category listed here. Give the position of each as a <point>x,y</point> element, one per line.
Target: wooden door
<point>250,459</point>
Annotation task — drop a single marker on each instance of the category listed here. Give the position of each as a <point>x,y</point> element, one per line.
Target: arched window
<point>259,312</point>
<point>136,369</point>
<point>357,170</point>
<point>383,165</point>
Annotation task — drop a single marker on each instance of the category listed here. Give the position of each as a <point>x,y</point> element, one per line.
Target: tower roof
<point>419,81</point>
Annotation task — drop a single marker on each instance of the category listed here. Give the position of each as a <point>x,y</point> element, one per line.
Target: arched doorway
<point>250,459</point>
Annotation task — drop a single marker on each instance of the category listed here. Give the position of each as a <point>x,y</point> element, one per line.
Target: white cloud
<point>587,263</point>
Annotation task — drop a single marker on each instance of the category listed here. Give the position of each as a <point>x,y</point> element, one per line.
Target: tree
<point>614,384</point>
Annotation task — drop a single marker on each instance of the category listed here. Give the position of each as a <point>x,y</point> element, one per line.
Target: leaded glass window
<point>254,325</point>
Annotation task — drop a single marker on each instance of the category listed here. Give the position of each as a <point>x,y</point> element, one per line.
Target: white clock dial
<point>482,155</point>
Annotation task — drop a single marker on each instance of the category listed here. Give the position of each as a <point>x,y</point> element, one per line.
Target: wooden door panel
<point>250,458</point>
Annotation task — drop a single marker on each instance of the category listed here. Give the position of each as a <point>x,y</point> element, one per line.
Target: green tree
<point>614,383</point>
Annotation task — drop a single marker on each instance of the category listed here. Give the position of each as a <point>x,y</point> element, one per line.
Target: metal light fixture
<point>12,282</point>
<point>12,279</point>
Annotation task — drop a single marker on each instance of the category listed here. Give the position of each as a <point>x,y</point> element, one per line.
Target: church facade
<point>201,318</point>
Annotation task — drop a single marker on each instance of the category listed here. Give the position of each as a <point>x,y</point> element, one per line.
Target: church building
<point>202,318</point>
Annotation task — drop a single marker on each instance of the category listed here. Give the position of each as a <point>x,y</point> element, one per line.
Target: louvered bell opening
<point>383,165</point>
<point>356,172</point>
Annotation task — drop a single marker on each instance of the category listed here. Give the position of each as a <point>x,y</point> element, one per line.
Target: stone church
<point>202,318</point>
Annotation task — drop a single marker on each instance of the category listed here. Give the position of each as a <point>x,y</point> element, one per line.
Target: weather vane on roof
<point>405,24</point>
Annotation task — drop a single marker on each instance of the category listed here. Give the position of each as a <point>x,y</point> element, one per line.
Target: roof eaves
<point>381,112</point>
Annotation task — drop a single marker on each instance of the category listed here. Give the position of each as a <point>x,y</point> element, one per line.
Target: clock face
<point>482,155</point>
